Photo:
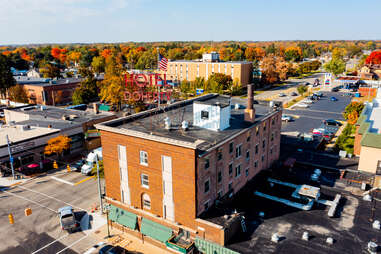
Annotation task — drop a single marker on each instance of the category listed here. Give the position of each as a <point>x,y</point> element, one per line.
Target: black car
<point>331,122</point>
<point>109,249</point>
<point>294,94</point>
<point>335,89</point>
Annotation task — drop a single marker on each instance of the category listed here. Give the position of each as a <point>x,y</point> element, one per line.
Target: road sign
<point>11,159</point>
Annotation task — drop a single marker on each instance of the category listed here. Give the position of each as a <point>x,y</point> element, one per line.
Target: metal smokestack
<point>250,96</point>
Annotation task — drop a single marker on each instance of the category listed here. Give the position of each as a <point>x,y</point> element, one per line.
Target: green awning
<point>212,248</point>
<point>155,230</point>
<point>122,217</point>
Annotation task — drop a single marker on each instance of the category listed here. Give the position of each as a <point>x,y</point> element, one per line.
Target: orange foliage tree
<point>353,117</point>
<point>57,145</point>
<point>374,58</point>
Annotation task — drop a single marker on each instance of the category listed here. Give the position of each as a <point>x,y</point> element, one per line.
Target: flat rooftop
<point>351,227</point>
<point>47,113</point>
<point>150,124</point>
<point>16,134</point>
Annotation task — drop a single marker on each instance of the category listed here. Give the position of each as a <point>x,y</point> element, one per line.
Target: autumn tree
<point>6,77</point>
<point>335,66</point>
<point>112,88</point>
<point>269,71</point>
<point>282,68</point>
<point>293,54</point>
<point>57,145</point>
<point>18,93</point>
<point>338,53</point>
<point>353,117</point>
<point>374,58</point>
<point>50,70</point>
<point>98,64</point>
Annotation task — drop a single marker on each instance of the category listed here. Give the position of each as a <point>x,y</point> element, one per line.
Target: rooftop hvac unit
<point>185,125</point>
<point>167,123</point>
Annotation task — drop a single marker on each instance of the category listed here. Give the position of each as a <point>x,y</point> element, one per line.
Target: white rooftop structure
<point>375,114</point>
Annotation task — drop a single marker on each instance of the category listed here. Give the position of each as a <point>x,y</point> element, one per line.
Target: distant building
<point>33,73</point>
<point>189,70</point>
<point>164,168</point>
<point>370,72</point>
<point>47,91</point>
<point>368,137</point>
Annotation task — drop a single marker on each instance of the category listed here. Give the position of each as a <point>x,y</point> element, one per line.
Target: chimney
<point>95,108</point>
<point>250,111</point>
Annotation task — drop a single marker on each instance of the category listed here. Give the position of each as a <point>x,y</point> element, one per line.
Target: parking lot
<point>41,232</point>
<point>306,119</point>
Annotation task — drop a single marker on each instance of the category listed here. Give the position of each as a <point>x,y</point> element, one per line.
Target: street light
<point>107,207</point>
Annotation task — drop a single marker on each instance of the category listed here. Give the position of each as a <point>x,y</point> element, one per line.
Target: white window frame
<point>143,157</point>
<point>240,151</point>
<point>144,201</point>
<point>240,169</point>
<point>144,182</point>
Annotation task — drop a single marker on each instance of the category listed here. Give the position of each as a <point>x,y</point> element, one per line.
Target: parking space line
<point>50,243</point>
<point>27,199</point>
<point>71,245</point>
<point>84,180</point>
<point>62,180</point>
<point>43,194</point>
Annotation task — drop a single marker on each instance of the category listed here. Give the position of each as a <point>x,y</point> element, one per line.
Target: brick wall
<point>183,174</point>
<point>357,145</point>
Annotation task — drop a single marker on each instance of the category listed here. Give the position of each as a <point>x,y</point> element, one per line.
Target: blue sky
<point>66,21</point>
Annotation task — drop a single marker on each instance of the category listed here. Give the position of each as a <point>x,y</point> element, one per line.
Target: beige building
<point>240,71</point>
<point>368,137</point>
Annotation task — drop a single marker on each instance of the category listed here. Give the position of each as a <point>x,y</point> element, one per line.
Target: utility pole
<point>10,157</point>
<point>99,185</point>
<point>158,69</point>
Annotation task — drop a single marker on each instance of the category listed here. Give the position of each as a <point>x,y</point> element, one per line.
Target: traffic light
<point>28,211</point>
<point>55,166</point>
<point>68,168</point>
<point>11,220</point>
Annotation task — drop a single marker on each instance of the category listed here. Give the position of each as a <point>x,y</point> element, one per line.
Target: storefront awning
<point>155,230</point>
<point>123,217</point>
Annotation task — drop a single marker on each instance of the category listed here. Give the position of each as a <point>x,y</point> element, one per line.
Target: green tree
<point>6,77</point>
<point>50,70</point>
<point>17,93</point>
<point>335,66</point>
<point>86,92</point>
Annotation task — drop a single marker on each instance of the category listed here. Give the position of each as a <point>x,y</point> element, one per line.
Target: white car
<point>308,101</point>
<point>286,118</point>
<point>302,105</point>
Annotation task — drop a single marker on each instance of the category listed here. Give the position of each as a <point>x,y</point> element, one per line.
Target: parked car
<point>294,94</point>
<point>76,166</point>
<point>90,161</point>
<point>282,95</point>
<point>333,98</point>
<point>331,122</point>
<point>109,249</point>
<point>303,105</point>
<point>286,118</point>
<point>323,132</point>
<point>309,101</point>
<point>335,89</point>
<point>67,219</point>
<point>318,94</point>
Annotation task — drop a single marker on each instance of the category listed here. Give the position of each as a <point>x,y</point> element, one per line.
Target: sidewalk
<point>127,241</point>
<point>9,181</point>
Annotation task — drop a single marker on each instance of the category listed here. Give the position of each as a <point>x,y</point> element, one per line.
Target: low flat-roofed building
<point>167,166</point>
<point>368,137</point>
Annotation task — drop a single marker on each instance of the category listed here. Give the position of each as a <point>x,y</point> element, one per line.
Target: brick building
<point>165,167</point>
<point>189,70</point>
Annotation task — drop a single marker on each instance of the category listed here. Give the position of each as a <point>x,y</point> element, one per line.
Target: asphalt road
<point>307,119</point>
<point>41,232</point>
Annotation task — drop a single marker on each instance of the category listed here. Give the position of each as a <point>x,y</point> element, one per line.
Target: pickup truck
<point>90,161</point>
<point>67,219</point>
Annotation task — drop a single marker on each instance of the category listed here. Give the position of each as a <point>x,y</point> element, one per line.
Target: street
<point>41,232</point>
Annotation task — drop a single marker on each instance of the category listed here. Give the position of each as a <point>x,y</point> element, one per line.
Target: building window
<point>207,163</point>
<point>238,151</point>
<point>257,131</point>
<point>264,143</point>
<point>204,115</point>
<point>219,194</point>
<point>263,158</point>
<point>230,169</point>
<point>272,136</point>
<point>273,121</point>
<point>247,155</point>
<point>271,150</point>
<point>248,138</point>
<point>255,164</point>
<point>144,180</point>
<point>247,172</point>
<point>256,149</point>
<point>146,201</point>
<point>219,155</point>
<point>206,205</point>
<point>238,171</point>
<point>264,126</point>
<point>143,158</point>
<point>219,176</point>
<point>206,186</point>
<point>231,145</point>
<point>230,186</point>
